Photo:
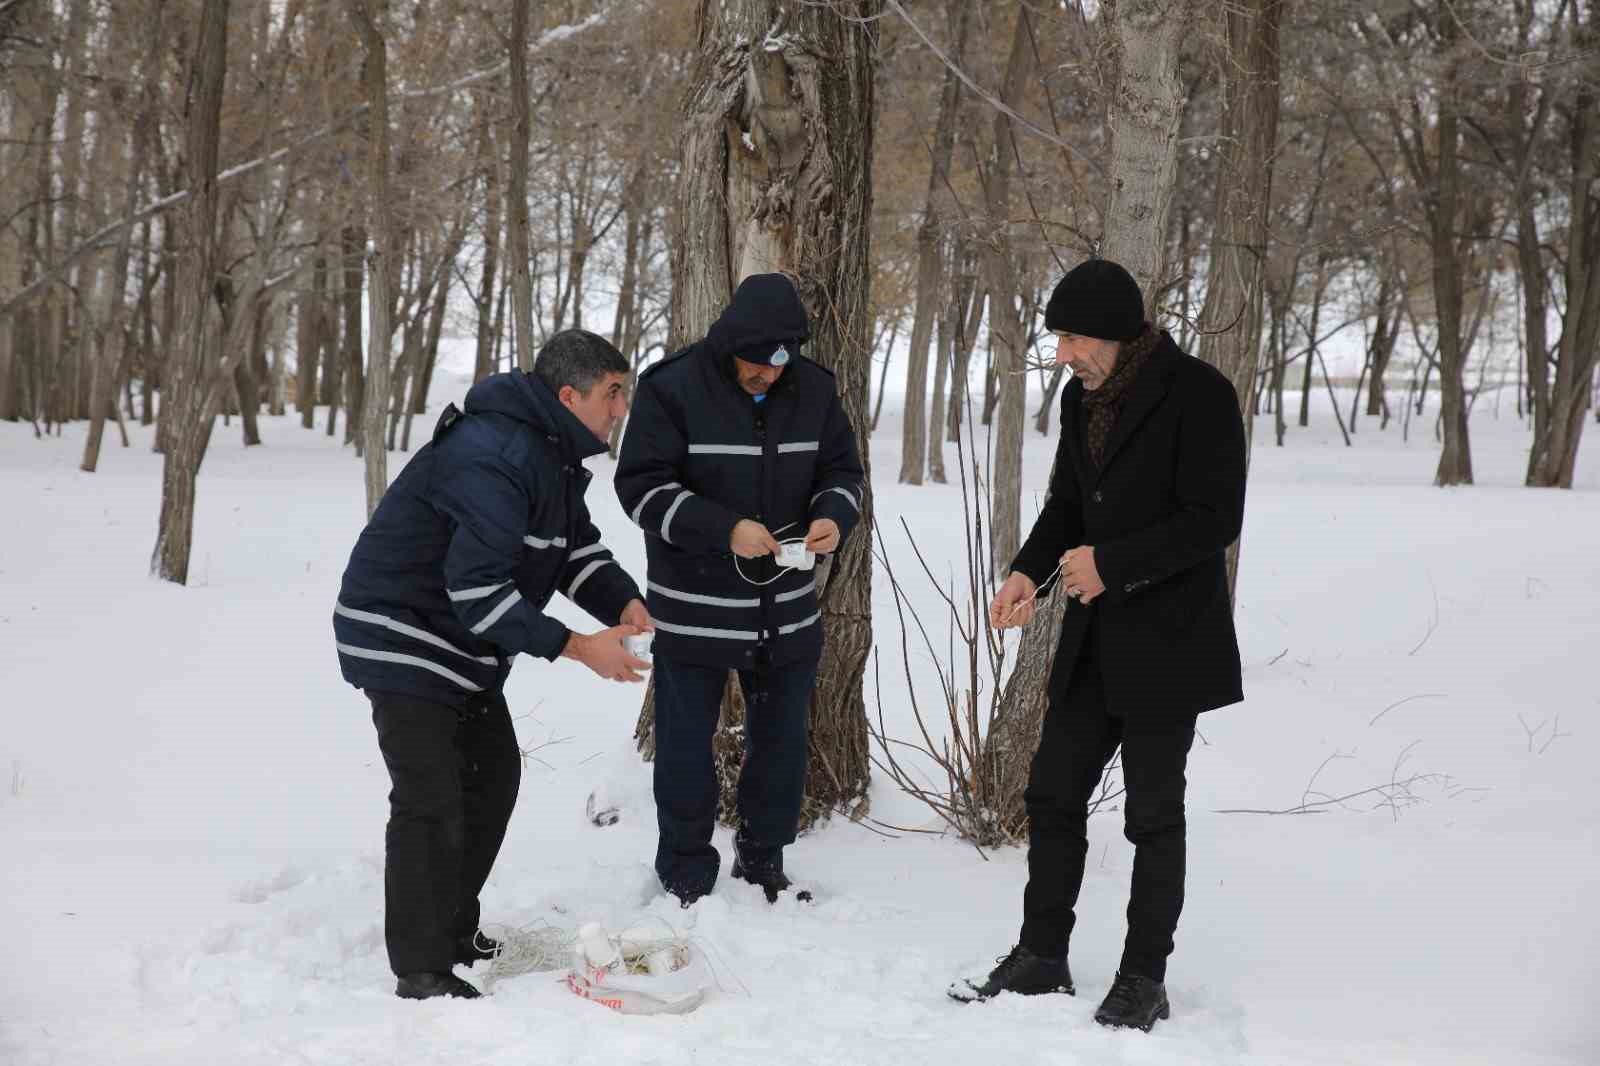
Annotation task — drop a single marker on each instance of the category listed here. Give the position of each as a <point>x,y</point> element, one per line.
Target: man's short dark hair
<point>578,358</point>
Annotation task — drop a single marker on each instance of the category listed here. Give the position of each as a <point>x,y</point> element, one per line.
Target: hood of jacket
<point>765,310</point>
<point>526,398</point>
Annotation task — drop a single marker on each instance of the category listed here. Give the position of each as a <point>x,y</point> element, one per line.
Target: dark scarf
<point>1102,406</point>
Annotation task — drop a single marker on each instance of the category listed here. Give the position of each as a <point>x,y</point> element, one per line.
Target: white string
<point>536,948</point>
<point>782,571</point>
<point>1015,607</point>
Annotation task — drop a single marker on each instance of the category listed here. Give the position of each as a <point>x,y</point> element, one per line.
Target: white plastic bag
<point>642,970</point>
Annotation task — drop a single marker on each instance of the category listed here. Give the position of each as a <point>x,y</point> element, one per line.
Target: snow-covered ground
<point>192,825</point>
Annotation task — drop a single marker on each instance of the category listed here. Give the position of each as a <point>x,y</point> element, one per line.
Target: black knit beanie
<point>1097,298</point>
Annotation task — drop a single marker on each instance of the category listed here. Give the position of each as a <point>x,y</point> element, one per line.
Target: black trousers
<point>1079,737</point>
<point>771,782</point>
<point>455,775</point>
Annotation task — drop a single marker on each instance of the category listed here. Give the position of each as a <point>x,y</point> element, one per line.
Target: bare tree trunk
<point>422,381</point>
<point>1455,461</point>
<point>273,326</point>
<point>947,322</point>
<point>368,16</point>
<point>489,163</point>
<point>241,313</point>
<point>1319,292</point>
<point>1006,332</point>
<point>972,296</point>
<point>1230,321</point>
<point>309,330</point>
<point>883,376</point>
<point>1280,367</point>
<point>775,137</point>
<point>1386,330</point>
<point>102,399</point>
<point>1052,388</point>
<point>1553,459</point>
<point>71,326</point>
<point>24,134</point>
<point>353,242</point>
<point>333,356</point>
<point>930,263</point>
<point>186,382</point>
<point>1145,110</point>
<point>151,365</point>
<point>517,193</point>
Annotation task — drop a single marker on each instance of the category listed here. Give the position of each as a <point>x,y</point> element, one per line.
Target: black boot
<point>1134,1002</point>
<point>771,879</point>
<point>688,897</point>
<point>688,893</point>
<point>427,985</point>
<point>1021,972</point>
<point>476,948</point>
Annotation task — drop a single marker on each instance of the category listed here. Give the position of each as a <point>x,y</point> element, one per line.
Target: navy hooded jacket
<point>449,580</point>
<point>700,455</point>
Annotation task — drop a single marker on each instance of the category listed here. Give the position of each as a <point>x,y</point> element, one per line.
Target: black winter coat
<point>1160,512</point>
<point>700,454</point>
<point>449,580</point>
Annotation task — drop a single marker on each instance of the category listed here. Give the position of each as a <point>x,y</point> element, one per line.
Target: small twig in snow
<point>1433,623</point>
<point>1408,699</point>
<point>1555,734</point>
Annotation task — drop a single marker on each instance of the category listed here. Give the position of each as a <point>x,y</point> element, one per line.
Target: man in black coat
<point>737,445</point>
<point>446,586</point>
<point>1146,496</point>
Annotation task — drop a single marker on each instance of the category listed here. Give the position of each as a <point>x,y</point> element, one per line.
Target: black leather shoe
<point>1134,1002</point>
<point>476,948</point>
<point>1021,972</point>
<point>427,985</point>
<point>771,880</point>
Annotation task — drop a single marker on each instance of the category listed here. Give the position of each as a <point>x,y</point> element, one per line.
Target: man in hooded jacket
<point>446,586</point>
<point>736,443</point>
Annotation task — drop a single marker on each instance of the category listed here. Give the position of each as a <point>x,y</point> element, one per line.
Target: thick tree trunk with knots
<point>776,143</point>
<point>1144,113</point>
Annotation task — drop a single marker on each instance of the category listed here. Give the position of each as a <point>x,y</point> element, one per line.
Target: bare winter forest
<point>263,229</point>
<point>219,207</point>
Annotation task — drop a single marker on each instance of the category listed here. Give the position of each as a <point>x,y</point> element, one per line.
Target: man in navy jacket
<point>446,586</point>
<point>736,443</point>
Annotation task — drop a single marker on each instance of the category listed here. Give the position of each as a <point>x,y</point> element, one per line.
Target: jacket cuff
<point>833,505</point>
<point>555,641</point>
<point>1117,572</point>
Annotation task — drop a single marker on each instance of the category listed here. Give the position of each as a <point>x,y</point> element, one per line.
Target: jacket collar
<point>1144,396</point>
<point>570,436</point>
